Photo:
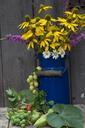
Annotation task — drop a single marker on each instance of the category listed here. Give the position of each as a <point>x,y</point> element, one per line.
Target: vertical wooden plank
<point>1,75</point>
<point>78,72</point>
<point>73,3</point>
<point>82,3</point>
<point>17,61</point>
<point>58,6</point>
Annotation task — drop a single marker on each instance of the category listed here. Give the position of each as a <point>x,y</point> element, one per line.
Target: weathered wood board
<point>16,63</point>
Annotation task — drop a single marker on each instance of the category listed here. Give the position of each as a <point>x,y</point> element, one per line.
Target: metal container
<point>56,87</point>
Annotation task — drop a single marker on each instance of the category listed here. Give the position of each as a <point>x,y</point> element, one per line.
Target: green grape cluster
<point>33,82</point>
<point>20,118</point>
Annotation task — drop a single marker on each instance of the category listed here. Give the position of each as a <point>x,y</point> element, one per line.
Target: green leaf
<point>27,95</point>
<point>12,99</point>
<point>51,102</point>
<point>65,115</point>
<point>9,92</point>
<point>55,121</point>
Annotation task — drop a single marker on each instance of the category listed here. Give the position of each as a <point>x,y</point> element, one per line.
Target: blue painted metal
<point>52,64</point>
<point>56,87</point>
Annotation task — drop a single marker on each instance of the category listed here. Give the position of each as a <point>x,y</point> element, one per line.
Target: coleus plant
<point>52,36</point>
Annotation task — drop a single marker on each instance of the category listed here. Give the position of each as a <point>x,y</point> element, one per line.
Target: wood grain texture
<point>58,6</point>
<point>1,76</point>
<point>18,63</point>
<point>78,73</point>
<point>77,69</point>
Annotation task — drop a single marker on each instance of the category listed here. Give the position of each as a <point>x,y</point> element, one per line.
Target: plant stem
<point>33,8</point>
<point>8,123</point>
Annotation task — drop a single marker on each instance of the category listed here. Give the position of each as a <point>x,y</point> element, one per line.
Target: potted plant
<point>53,39</point>
<point>52,36</point>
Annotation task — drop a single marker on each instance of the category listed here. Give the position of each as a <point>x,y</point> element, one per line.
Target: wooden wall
<point>16,63</point>
<point>77,64</point>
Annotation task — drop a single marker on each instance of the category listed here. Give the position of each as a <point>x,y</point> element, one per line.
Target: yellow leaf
<point>72,28</point>
<point>54,28</point>
<point>49,34</point>
<point>62,38</point>
<point>71,25</point>
<point>54,45</point>
<point>30,45</point>
<point>61,19</point>
<point>46,42</point>
<point>33,20</point>
<point>39,31</point>
<point>74,15</point>
<point>54,40</point>
<point>35,41</point>
<point>67,46</point>
<point>81,16</point>
<point>83,25</point>
<point>62,30</point>
<point>42,22</point>
<point>53,20</point>
<point>33,25</point>
<point>44,8</point>
<point>57,35</point>
<point>27,35</point>
<point>23,25</point>
<point>69,13</point>
<point>42,44</point>
<point>46,48</point>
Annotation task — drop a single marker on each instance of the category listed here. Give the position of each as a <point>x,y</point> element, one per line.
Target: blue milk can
<point>56,87</point>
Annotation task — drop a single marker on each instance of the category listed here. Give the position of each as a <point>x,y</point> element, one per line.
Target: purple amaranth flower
<point>15,38</point>
<point>83,35</point>
<point>74,42</point>
<point>75,39</point>
<point>65,0</point>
